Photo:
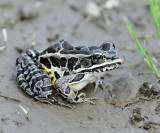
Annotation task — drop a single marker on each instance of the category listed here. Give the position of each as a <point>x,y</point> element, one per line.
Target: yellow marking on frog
<point>50,72</point>
<point>24,76</point>
<point>75,83</point>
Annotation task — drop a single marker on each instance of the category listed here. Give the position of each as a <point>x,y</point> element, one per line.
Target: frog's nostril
<point>121,59</point>
<point>114,46</point>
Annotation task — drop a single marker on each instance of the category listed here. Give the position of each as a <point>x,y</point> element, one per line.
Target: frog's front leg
<point>100,83</point>
<point>68,86</point>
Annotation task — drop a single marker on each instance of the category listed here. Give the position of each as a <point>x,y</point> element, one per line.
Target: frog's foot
<point>52,100</point>
<point>80,100</point>
<point>99,82</point>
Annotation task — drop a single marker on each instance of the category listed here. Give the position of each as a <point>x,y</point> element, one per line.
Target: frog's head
<point>63,57</point>
<point>99,59</point>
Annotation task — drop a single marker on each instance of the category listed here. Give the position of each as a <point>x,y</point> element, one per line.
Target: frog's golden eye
<point>97,57</point>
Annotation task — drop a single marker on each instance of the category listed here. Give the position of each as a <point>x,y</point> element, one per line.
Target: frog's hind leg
<point>30,78</point>
<point>34,81</point>
<point>52,100</point>
<point>21,78</point>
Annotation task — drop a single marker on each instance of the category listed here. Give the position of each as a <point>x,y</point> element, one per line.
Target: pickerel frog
<point>67,69</point>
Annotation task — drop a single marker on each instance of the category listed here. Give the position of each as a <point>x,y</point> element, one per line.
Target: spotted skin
<point>65,68</point>
<point>30,78</point>
<point>34,80</point>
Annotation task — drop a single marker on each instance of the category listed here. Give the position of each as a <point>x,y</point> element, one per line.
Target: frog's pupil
<point>97,56</point>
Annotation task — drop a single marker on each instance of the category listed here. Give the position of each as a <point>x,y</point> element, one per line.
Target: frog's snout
<point>122,59</point>
<point>119,58</point>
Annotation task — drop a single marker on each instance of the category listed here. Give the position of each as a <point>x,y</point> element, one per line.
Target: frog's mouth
<point>106,66</point>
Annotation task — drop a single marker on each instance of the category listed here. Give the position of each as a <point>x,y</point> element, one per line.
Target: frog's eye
<point>107,46</point>
<point>97,57</point>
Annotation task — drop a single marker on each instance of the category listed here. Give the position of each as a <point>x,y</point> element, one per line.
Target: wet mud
<point>131,99</point>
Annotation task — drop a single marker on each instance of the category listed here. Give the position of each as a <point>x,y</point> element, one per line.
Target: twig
<point>11,98</point>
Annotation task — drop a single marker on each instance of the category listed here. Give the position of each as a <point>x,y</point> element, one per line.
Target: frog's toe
<point>69,106</point>
<point>90,100</point>
<point>52,100</point>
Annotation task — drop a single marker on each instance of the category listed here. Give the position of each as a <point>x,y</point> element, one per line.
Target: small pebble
<point>110,4</point>
<point>92,10</point>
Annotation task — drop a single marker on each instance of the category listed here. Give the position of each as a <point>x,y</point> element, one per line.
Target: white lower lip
<point>108,63</point>
<point>110,67</point>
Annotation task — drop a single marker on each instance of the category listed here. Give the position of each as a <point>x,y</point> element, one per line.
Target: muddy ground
<point>119,107</point>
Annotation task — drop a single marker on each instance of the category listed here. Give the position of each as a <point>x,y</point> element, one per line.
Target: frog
<point>67,69</point>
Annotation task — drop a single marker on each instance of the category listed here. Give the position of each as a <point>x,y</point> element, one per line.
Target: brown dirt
<point>65,19</point>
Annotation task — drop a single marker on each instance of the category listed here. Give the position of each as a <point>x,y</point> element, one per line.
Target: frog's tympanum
<point>67,69</point>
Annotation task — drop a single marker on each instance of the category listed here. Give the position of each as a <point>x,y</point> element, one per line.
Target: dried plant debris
<point>4,33</point>
<point>10,98</point>
<point>4,40</point>
<point>150,91</point>
<point>26,111</point>
<point>2,48</point>
<point>136,116</point>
